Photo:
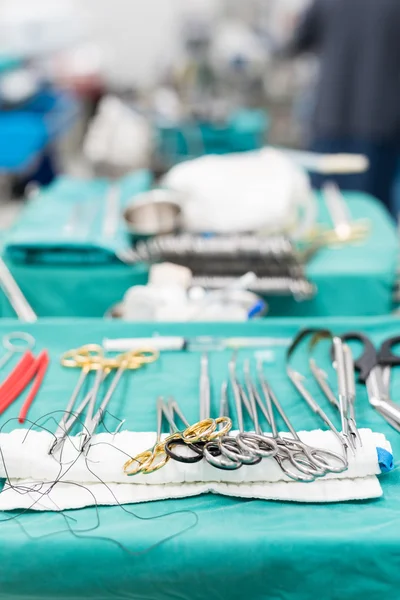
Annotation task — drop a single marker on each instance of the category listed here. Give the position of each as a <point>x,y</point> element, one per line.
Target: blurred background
<point>214,122</point>
<point>164,58</point>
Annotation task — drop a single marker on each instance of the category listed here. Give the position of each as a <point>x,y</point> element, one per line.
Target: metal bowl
<point>155,212</point>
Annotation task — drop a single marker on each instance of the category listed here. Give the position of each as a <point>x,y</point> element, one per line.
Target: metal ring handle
<point>226,423</point>
<point>304,477</point>
<point>156,462</point>
<point>141,461</point>
<point>143,355</point>
<point>196,448</point>
<point>323,457</point>
<point>199,431</point>
<point>214,457</point>
<point>230,448</point>
<point>263,446</point>
<point>28,341</point>
<point>85,354</point>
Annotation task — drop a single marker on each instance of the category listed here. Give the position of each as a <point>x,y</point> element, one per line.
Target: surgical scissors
<point>153,459</point>
<point>229,446</point>
<point>374,371</point>
<point>292,451</point>
<point>212,451</point>
<point>256,442</point>
<point>147,457</point>
<point>321,458</point>
<point>212,454</point>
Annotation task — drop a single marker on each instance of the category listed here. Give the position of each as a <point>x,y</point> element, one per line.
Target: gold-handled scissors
<point>193,436</point>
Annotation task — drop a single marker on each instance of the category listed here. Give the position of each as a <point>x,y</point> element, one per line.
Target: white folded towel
<point>100,479</point>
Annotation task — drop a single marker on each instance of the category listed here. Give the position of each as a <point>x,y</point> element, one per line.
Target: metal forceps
<point>302,465</point>
<point>91,358</point>
<point>87,358</point>
<point>212,450</point>
<point>130,360</point>
<point>374,365</point>
<point>16,342</point>
<point>297,379</point>
<point>344,365</point>
<point>320,455</point>
<point>229,446</point>
<point>256,442</point>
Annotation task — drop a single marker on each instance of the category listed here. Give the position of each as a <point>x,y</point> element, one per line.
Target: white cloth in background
<point>101,479</point>
<point>261,190</point>
<point>118,136</point>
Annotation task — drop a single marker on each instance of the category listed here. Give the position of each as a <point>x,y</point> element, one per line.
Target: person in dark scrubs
<point>358,93</point>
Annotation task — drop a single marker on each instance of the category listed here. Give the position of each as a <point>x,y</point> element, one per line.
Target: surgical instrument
<point>205,390</point>
<point>34,372</point>
<point>297,380</point>
<point>131,360</point>
<point>372,364</point>
<point>148,461</point>
<point>13,292</point>
<point>170,410</point>
<point>343,363</point>
<point>14,343</point>
<point>193,437</point>
<point>256,442</point>
<point>344,229</point>
<point>87,358</point>
<point>230,447</point>
<point>207,449</point>
<point>321,378</point>
<point>341,366</point>
<point>66,423</point>
<point>211,450</point>
<point>147,458</point>
<point>299,287</point>
<point>315,461</point>
<point>200,343</point>
<point>351,394</point>
<point>304,470</point>
<point>217,261</point>
<point>91,357</point>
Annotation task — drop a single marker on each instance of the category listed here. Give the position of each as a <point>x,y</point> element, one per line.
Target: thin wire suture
<point>23,489</point>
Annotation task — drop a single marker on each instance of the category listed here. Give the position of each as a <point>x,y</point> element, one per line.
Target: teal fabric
<point>64,224</point>
<point>234,548</point>
<point>246,129</point>
<point>355,279</point>
<point>9,63</point>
